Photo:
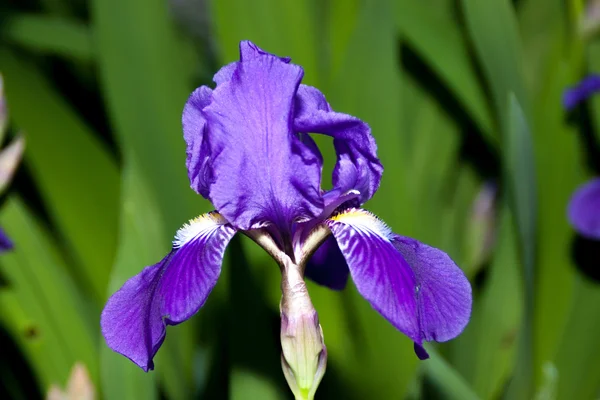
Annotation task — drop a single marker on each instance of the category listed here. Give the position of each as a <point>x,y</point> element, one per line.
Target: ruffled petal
<point>248,51</point>
<point>417,288</point>
<point>357,167</point>
<point>584,210</point>
<point>135,317</point>
<point>194,133</point>
<point>262,173</point>
<point>327,266</point>
<point>584,89</point>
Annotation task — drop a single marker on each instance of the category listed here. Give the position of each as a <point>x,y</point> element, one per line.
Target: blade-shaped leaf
<point>49,34</point>
<point>140,244</point>
<point>73,169</point>
<point>485,352</point>
<point>447,378</point>
<point>438,40</point>
<point>41,306</point>
<point>522,191</point>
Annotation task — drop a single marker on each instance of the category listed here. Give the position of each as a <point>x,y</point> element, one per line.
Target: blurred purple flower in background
<point>5,242</point>
<point>584,209</point>
<point>250,154</point>
<point>584,206</point>
<point>585,88</point>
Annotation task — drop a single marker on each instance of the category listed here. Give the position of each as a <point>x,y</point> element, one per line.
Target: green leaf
<point>141,244</point>
<point>594,66</point>
<point>146,74</point>
<point>485,352</point>
<point>42,308</point>
<point>72,168</point>
<point>493,29</point>
<point>557,177</point>
<point>520,175</point>
<point>248,385</point>
<point>288,30</point>
<point>577,358</point>
<point>494,32</point>
<point>49,34</point>
<point>446,378</point>
<point>438,39</point>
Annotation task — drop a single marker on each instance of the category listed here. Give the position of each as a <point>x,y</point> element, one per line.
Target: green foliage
<point>459,95</point>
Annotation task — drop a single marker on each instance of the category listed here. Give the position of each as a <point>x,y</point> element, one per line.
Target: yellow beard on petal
<point>201,224</point>
<point>363,220</point>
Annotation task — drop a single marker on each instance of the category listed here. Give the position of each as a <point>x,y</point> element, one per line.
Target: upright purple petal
<point>135,317</point>
<point>194,133</point>
<point>584,209</point>
<point>357,167</point>
<point>261,171</point>
<point>584,89</point>
<point>248,51</point>
<point>327,266</point>
<point>417,288</point>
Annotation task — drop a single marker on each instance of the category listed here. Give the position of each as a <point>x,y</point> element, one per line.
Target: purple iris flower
<point>5,242</point>
<point>584,209</point>
<point>250,154</point>
<point>584,89</point>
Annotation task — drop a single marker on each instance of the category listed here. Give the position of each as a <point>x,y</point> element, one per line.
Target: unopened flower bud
<point>10,158</point>
<point>481,229</point>
<point>304,356</point>
<point>79,387</point>
<point>589,23</point>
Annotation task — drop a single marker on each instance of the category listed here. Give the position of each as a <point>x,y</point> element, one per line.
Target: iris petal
<point>584,89</point>
<point>443,292</point>
<point>5,242</point>
<point>584,209</point>
<point>327,266</point>
<point>135,317</point>
<point>263,173</point>
<point>357,167</point>
<point>417,288</point>
<point>198,150</point>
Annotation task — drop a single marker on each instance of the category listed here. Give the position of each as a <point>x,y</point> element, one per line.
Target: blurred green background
<point>464,100</point>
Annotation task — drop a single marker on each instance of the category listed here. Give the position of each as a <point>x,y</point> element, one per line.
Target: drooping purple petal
<point>443,292</point>
<point>261,171</point>
<point>135,317</point>
<point>417,288</point>
<point>5,242</point>
<point>584,209</point>
<point>327,266</point>
<point>584,89</point>
<point>378,270</point>
<point>357,167</point>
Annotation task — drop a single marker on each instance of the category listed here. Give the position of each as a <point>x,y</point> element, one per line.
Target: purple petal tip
<point>421,352</point>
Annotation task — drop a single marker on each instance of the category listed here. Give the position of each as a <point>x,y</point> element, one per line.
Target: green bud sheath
<point>304,356</point>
